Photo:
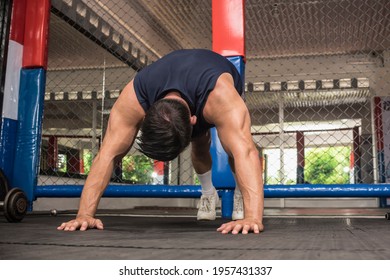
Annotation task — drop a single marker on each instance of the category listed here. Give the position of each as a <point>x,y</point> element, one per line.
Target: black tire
<point>15,205</point>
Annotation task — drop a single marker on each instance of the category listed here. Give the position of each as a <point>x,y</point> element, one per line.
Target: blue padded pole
<point>26,163</point>
<point>7,146</point>
<point>227,197</point>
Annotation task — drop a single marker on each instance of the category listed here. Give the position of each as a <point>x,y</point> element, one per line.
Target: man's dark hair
<point>166,130</point>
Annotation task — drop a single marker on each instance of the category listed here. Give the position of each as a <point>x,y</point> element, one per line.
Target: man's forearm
<point>253,203</point>
<point>94,187</point>
<point>248,172</point>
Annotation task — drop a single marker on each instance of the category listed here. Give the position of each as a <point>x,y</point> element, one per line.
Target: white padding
<point>12,80</point>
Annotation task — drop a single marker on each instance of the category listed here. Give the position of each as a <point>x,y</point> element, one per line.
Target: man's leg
<point>201,160</point>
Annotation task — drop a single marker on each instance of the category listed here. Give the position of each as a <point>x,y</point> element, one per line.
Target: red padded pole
<point>36,34</point>
<point>228,25</point>
<point>18,21</point>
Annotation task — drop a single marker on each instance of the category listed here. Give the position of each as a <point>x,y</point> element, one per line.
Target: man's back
<point>192,73</point>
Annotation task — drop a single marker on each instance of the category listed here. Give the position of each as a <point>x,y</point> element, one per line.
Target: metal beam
<point>194,191</point>
<point>86,21</point>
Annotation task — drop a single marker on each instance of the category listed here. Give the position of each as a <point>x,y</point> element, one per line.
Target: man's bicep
<point>121,132</point>
<point>120,137</point>
<point>235,131</point>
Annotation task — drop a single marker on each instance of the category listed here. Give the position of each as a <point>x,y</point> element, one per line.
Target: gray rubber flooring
<point>171,237</point>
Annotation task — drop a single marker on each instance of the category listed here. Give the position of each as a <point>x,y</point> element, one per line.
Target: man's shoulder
<point>224,88</point>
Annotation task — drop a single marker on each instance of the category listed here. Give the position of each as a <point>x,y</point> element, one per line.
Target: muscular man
<point>175,101</point>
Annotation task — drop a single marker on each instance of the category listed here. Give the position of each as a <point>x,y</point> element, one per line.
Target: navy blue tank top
<point>192,73</point>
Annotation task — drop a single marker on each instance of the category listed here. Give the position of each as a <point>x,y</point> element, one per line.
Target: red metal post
<point>228,20</point>
<point>36,34</point>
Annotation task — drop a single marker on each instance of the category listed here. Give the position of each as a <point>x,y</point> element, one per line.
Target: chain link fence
<point>317,76</point>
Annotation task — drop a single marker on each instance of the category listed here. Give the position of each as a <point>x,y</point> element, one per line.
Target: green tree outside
<point>327,165</point>
<point>137,169</point>
<point>87,161</point>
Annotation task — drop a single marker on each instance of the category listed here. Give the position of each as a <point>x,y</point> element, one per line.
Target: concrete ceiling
<point>274,28</point>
